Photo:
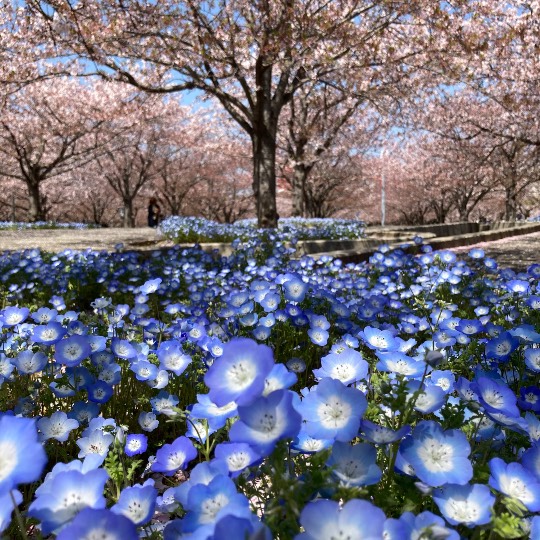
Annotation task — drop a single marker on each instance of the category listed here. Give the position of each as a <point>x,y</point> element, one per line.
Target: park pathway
<point>517,252</point>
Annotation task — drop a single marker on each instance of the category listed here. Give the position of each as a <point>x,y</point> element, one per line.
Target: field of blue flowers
<point>181,229</point>
<point>179,394</point>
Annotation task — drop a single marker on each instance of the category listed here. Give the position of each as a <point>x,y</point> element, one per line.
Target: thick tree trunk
<point>264,178</point>
<point>463,214</point>
<point>129,217</point>
<point>36,211</point>
<point>510,203</point>
<point>299,190</point>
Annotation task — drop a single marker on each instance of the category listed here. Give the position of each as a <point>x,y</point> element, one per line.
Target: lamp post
<point>383,187</point>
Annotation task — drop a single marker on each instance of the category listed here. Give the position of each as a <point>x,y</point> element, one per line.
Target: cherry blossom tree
<point>251,55</point>
<point>50,128</point>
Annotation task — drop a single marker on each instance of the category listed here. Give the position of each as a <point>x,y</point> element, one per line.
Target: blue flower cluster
<point>180,394</point>
<point>198,230</point>
<point>21,225</point>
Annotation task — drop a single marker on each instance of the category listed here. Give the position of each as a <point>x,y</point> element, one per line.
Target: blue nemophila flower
<point>202,474</point>
<point>144,370</point>
<point>97,343</point>
<point>172,457</point>
<point>111,374</point>
<point>356,519</point>
<point>332,410</point>
<point>150,286</point>
<point>318,336</point>
<point>99,523</point>
<point>308,445</point>
<point>164,403</point>
<point>348,367</point>
<point>270,302</point>
<point>502,346</point>
<point>207,503</point>
<point>231,526</point>
<point>468,504</point>
<point>136,443</point>
<point>469,327</point>
<point>531,460</point>
<point>137,503</point>
<point>516,481</point>
<point>296,365</point>
<point>400,364</point>
<point>518,286</point>
<point>205,408</point>
<point>12,316</point>
<point>100,392</point>
<point>529,398</point>
<point>382,435</point>
<point>97,442</point>
<point>58,426</point>
<point>280,378</point>
<point>122,348</point>
<point>430,398</point>
<point>424,525</point>
<point>148,421</point>
<point>532,359</point>
<point>172,357</point>
<point>496,397</point>
<point>48,334</point>
<point>266,420</point>
<point>354,465</point>
<point>28,362</point>
<point>380,340</point>
<point>443,379</point>
<point>239,374</point>
<point>294,288</point>
<point>6,368</point>
<point>238,456</point>
<point>84,412</point>
<point>65,494</point>
<point>22,456</point>
<point>437,456</point>
<point>44,315</point>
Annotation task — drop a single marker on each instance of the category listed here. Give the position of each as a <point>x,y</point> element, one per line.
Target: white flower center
<point>210,508</point>
<point>462,511</point>
<point>175,460</point>
<point>136,511</point>
<point>516,488</point>
<point>241,375</point>
<point>238,461</point>
<point>436,456</point>
<point>494,399</point>
<point>334,413</point>
<point>379,341</point>
<point>343,372</point>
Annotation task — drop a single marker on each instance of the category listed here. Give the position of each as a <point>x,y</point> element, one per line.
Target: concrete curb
<point>445,242</point>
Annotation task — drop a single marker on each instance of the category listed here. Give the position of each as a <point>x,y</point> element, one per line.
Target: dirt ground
<point>142,238</point>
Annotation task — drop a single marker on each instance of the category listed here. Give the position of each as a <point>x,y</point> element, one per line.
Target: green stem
<point>18,516</point>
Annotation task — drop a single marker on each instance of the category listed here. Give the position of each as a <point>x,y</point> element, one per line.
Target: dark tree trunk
<point>129,217</point>
<point>36,212</point>
<point>510,203</point>
<point>299,190</point>
<point>264,178</point>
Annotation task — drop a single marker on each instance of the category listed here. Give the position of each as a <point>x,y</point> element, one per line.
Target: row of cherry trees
<point>314,89</point>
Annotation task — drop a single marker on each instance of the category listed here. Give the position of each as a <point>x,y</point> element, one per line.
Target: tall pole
<point>383,187</point>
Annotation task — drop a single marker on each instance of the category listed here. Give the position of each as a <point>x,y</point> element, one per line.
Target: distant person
<point>154,213</point>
